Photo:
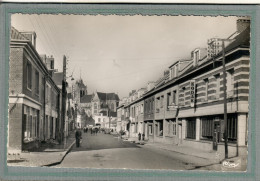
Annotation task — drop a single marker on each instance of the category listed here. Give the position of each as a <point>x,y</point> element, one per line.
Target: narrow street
<point>107,151</point>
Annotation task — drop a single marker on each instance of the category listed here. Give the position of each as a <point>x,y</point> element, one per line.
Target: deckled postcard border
<point>27,173</point>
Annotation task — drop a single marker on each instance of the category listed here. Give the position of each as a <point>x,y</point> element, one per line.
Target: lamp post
<point>225,92</point>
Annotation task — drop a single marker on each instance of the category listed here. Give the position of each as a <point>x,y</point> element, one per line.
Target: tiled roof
<point>57,78</point>
<point>86,99</point>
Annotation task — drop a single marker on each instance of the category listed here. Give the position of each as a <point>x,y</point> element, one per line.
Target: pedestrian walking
<point>78,137</point>
<point>143,136</point>
<point>91,131</point>
<point>139,136</point>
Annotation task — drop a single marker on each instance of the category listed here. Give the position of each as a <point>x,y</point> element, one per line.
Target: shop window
<point>191,128</point>
<point>207,127</point>
<point>232,127</point>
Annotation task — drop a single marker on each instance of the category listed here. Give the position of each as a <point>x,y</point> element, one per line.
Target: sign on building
<point>192,93</point>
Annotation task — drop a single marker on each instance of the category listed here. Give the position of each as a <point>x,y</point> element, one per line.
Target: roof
<point>104,113</point>
<point>81,84</point>
<point>86,99</point>
<point>58,78</point>
<point>15,34</point>
<point>241,40</point>
<point>107,96</point>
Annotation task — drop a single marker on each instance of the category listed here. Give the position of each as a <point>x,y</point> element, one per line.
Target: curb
<point>58,162</point>
<point>182,153</point>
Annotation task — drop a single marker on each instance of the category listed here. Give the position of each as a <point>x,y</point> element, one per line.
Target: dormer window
<point>174,71</point>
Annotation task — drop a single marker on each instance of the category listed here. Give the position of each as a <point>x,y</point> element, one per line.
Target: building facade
<point>186,105</point>
<point>33,95</point>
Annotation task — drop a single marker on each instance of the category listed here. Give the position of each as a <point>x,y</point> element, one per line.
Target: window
<point>52,64</point>
<point>168,99</point>
<point>46,94</point>
<point>232,127</point>
<point>51,127</point>
<point>30,121</point>
<point>160,128</point>
<point>174,131</point>
<point>29,75</point>
<point>207,127</point>
<point>142,108</point>
<point>217,77</point>
<point>174,97</point>
<point>191,128</point>
<point>37,88</point>
<point>99,120</point>
<point>230,82</point>
<point>206,81</point>
<point>162,98</point>
<point>95,105</point>
<point>158,102</point>
<point>150,129</point>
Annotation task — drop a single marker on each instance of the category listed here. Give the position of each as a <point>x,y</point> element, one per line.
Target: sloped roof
<point>57,78</point>
<point>86,99</point>
<point>81,84</point>
<point>241,40</point>
<point>107,96</point>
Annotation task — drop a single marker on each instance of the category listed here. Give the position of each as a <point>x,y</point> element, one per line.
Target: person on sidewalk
<point>78,137</point>
<point>139,136</point>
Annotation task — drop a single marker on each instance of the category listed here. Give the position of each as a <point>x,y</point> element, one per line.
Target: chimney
<point>31,36</point>
<point>242,24</point>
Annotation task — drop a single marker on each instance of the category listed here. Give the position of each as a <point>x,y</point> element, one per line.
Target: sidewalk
<point>45,156</point>
<point>215,162</point>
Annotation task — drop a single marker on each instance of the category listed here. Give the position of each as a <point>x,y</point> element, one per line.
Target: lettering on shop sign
<point>192,93</point>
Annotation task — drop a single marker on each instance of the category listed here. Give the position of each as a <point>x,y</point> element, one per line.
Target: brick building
<point>185,106</point>
<point>33,95</point>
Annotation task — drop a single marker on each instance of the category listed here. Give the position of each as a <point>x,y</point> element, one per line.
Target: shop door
<point>216,135</point>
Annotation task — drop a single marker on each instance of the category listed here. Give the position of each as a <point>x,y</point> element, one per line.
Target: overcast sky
<point>121,53</point>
